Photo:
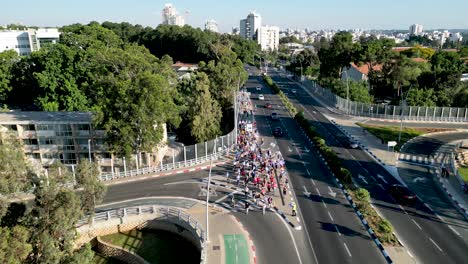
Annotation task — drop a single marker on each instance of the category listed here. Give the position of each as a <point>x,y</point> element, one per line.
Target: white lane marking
<point>337,230</point>
<point>226,196</point>
<point>318,191</point>
<point>347,249</point>
<point>331,217</point>
<point>455,231</point>
<point>403,209</point>
<point>308,172</point>
<point>436,245</point>
<point>313,182</point>
<point>416,224</point>
<point>294,241</point>
<point>298,152</point>
<point>324,204</point>
<point>440,218</point>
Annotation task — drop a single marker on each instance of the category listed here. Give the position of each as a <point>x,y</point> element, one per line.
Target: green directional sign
<point>236,249</point>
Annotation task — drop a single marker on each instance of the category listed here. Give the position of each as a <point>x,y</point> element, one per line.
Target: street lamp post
<point>208,194</point>
<point>89,149</point>
<point>403,104</point>
<point>347,92</point>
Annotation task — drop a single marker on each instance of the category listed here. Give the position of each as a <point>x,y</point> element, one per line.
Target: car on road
<point>294,91</point>
<point>402,194</point>
<point>258,88</point>
<point>353,145</point>
<point>274,116</point>
<point>261,97</point>
<point>277,132</point>
<point>268,105</point>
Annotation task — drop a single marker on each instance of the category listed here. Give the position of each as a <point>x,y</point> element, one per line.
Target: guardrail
<point>153,209</point>
<point>393,112</point>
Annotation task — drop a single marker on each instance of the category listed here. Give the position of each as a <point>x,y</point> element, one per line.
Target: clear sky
<point>314,14</point>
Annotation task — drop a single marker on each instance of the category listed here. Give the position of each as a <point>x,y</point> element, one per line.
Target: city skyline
<point>334,14</point>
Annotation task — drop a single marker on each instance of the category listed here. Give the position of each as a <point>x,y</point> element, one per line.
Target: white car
<point>261,97</point>
<point>353,145</point>
<point>293,91</point>
<point>258,88</point>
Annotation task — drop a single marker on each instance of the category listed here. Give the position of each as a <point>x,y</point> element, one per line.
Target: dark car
<point>268,105</point>
<point>277,132</point>
<point>402,194</point>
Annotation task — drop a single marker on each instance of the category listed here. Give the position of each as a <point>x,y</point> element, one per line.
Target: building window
<point>45,127</point>
<point>68,144</point>
<point>83,127</point>
<point>47,141</point>
<point>64,130</point>
<point>49,155</point>
<point>33,155</point>
<point>68,158</point>
<point>28,127</point>
<point>12,127</point>
<point>30,141</point>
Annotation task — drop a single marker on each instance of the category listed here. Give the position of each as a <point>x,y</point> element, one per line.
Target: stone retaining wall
<point>119,253</point>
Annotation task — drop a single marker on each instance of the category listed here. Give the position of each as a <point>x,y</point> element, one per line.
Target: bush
<point>362,195</point>
<point>385,227</point>
<point>345,176</point>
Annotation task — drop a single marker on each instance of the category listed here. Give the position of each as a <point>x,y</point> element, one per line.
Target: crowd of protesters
<point>261,173</point>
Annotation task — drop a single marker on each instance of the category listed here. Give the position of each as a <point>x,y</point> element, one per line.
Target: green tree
<point>338,55</point>
<point>205,111</point>
<point>14,245</point>
<point>7,60</point>
<point>15,171</point>
<point>289,39</point>
<point>134,96</point>
<point>87,177</point>
<point>421,97</point>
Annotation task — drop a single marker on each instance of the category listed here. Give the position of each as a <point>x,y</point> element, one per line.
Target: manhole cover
<point>215,247</point>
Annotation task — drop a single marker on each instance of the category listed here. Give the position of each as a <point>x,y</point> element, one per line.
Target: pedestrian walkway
<point>228,239</point>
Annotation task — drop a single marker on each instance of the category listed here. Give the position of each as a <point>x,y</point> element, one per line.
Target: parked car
<point>277,132</point>
<point>261,97</point>
<point>258,88</point>
<point>268,105</point>
<point>274,116</point>
<point>402,194</point>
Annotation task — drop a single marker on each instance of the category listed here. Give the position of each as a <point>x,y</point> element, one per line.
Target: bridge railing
<point>383,111</point>
<point>156,210</point>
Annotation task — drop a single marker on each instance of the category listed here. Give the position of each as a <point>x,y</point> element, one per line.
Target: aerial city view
<point>220,132</point>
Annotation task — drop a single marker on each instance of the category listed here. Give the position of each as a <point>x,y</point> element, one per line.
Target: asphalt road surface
<point>423,233</point>
<point>336,234</point>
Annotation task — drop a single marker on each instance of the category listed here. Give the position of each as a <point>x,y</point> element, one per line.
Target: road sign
<point>392,143</point>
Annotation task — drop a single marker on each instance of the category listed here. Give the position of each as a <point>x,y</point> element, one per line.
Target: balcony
<point>29,148</point>
<point>28,134</point>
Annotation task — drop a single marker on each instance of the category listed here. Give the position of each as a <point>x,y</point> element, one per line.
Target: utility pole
<point>208,194</point>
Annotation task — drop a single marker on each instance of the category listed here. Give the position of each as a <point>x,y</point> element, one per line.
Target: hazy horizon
<point>300,14</point>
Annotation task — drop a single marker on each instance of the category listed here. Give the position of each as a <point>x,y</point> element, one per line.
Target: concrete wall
<point>119,253</point>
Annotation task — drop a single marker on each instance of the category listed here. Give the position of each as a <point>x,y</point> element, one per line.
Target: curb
<point>350,201</point>
<point>455,201</point>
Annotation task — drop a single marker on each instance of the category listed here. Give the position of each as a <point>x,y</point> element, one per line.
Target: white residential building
<point>249,26</point>
<point>211,25</point>
<point>415,30</point>
<point>170,16</point>
<point>268,38</point>
<point>26,41</point>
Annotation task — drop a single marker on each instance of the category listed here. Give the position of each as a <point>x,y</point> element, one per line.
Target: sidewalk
<point>229,242</point>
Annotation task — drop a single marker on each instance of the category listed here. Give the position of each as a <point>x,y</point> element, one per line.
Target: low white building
<point>211,25</point>
<point>26,41</point>
<point>268,38</point>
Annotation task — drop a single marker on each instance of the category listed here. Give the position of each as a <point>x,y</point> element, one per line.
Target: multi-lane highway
<point>336,234</point>
<point>423,233</point>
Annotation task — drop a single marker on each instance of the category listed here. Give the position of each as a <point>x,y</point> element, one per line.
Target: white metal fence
<point>189,156</point>
<point>158,211</point>
<point>414,113</point>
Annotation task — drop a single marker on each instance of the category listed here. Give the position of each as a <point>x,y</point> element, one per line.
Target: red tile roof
<point>364,68</point>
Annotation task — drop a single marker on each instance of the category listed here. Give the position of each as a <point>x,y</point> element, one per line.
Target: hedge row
<point>382,228</point>
<point>291,109</point>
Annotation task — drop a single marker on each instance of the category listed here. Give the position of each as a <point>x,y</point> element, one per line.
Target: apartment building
<point>268,38</point>
<point>67,137</point>
<point>250,25</point>
<point>26,41</point>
